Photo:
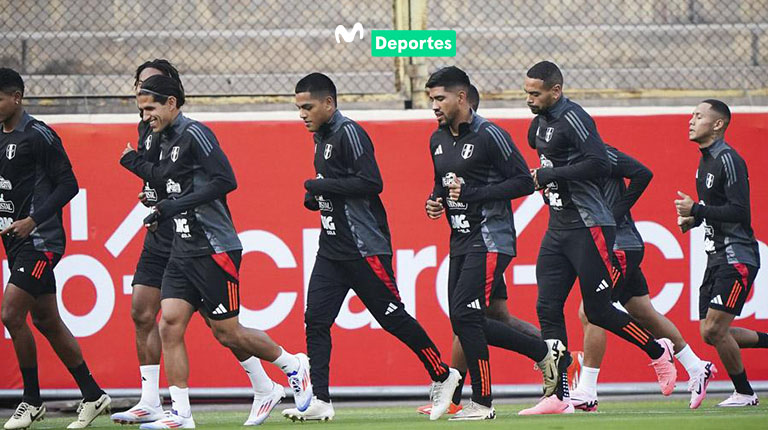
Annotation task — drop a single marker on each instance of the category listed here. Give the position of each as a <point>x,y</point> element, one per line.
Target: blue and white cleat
<point>301,384</point>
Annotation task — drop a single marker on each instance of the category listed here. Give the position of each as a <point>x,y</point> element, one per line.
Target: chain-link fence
<point>611,44</point>
<point>221,47</point>
<point>261,47</point>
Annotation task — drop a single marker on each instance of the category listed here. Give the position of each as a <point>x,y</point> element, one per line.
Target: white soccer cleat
<point>738,400</point>
<point>441,394</point>
<point>138,414</point>
<point>24,416</point>
<point>474,412</point>
<point>582,400</point>
<point>698,384</point>
<point>318,410</point>
<point>170,420</point>
<point>263,405</point>
<point>549,366</point>
<point>88,411</point>
<point>301,384</point>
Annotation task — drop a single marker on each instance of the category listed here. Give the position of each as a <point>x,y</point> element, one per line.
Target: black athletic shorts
<point>210,282</point>
<point>726,287</point>
<point>150,269</point>
<point>633,283</point>
<point>32,271</point>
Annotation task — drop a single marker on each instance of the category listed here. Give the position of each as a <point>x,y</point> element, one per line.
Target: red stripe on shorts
<point>225,262</point>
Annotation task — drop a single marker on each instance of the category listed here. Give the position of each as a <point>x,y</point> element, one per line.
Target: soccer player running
<point>580,237</point>
<point>145,302</point>
<point>477,171</point>
<point>722,185</point>
<point>497,310</point>
<point>632,289</point>
<point>355,250</point>
<point>203,269</point>
<point>36,181</point>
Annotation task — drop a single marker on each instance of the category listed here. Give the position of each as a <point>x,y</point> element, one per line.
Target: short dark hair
<point>11,81</point>
<point>161,87</point>
<point>548,72</point>
<point>473,97</point>
<point>166,68</point>
<point>318,85</point>
<point>450,77</point>
<point>721,109</point>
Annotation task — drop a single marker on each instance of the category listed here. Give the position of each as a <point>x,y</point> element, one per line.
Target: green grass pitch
<point>671,414</point>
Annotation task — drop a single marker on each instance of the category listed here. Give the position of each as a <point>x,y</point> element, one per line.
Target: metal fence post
<point>402,22</point>
<point>411,72</point>
<point>417,70</point>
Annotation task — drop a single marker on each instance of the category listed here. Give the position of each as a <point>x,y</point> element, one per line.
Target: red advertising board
<point>273,158</point>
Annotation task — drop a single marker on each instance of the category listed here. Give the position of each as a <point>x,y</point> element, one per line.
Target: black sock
<point>653,349</point>
<point>31,386</point>
<point>741,383</point>
<point>762,340</point>
<point>84,379</point>
<point>457,393</point>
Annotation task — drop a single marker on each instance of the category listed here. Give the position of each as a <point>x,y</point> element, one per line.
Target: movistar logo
<point>349,35</point>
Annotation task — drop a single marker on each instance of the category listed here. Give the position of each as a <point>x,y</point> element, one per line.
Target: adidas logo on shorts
<point>717,300</point>
<point>220,309</point>
<point>475,304</point>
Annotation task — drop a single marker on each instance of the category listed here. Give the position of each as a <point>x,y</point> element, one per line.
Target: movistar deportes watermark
<point>413,43</point>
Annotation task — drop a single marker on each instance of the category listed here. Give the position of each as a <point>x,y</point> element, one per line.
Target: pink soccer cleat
<point>549,405</point>
<point>583,400</point>
<point>665,367</point>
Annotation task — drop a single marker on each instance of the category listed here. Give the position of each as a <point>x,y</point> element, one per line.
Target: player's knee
<point>171,331</point>
<point>460,319</point>
<point>228,338</point>
<point>549,312</point>
<point>394,323</point>
<point>598,317</point>
<point>315,320</point>
<point>12,319</point>
<point>712,334</point>
<point>143,318</point>
<point>498,310</point>
<point>44,324</point>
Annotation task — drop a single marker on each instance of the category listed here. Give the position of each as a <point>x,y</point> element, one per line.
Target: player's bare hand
<point>143,199</point>
<point>684,204</point>
<point>20,229</point>
<point>536,185</point>
<point>128,148</point>
<point>454,189</point>
<point>435,208</point>
<point>685,223</point>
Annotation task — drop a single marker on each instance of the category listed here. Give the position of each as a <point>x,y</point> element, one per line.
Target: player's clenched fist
<point>435,208</point>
